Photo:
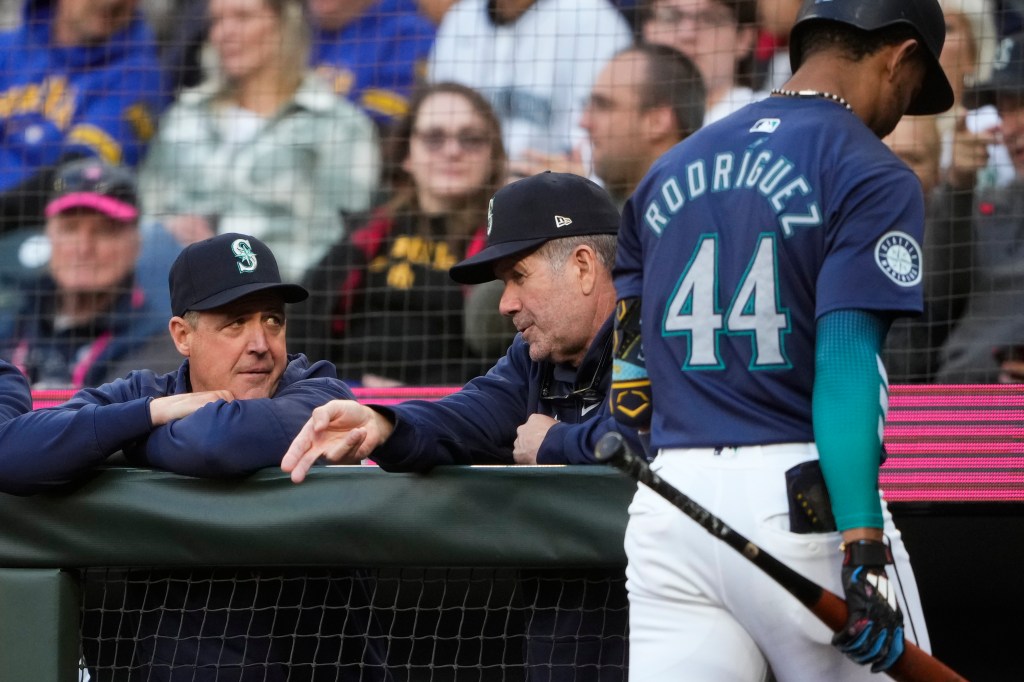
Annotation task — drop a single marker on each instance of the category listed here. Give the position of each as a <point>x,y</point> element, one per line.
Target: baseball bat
<point>914,665</point>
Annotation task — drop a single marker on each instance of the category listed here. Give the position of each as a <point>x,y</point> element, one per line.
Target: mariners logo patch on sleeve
<point>899,257</point>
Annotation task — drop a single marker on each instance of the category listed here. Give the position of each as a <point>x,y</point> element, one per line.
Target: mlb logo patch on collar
<point>766,125</point>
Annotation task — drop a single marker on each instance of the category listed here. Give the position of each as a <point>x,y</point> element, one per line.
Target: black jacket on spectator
<point>381,302</point>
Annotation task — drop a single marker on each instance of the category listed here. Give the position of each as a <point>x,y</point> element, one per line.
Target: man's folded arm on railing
<point>53,446</point>
<point>233,405</point>
<point>234,438</point>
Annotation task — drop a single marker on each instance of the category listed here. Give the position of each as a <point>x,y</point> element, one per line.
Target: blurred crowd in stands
<point>362,140</point>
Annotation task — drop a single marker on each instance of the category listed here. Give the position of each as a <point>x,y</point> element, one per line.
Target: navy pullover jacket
<point>477,424</point>
<point>15,397</point>
<point>52,446</point>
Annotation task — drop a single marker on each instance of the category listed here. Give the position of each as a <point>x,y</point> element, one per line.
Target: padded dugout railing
<point>953,477</point>
<point>945,442</point>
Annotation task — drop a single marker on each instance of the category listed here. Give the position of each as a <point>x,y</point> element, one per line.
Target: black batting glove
<point>874,629</point>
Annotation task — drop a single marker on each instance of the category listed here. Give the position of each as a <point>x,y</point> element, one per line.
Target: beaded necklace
<point>814,93</point>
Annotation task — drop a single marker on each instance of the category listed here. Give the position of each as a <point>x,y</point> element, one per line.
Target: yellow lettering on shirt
<point>54,98</point>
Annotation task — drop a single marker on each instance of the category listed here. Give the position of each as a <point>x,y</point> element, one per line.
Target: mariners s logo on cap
<point>244,253</point>
<point>216,271</point>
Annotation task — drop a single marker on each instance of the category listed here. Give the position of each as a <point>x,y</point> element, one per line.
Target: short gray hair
<point>191,317</point>
<point>557,251</point>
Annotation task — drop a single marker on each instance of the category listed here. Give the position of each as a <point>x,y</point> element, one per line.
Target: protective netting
<point>407,624</point>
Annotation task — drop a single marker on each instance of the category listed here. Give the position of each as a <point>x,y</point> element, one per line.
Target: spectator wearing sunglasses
<point>88,319</point>
<point>551,243</point>
<point>382,305</point>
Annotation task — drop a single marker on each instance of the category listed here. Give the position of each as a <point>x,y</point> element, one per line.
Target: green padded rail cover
<point>488,516</point>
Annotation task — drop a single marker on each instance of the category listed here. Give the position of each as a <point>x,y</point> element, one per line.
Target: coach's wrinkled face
<point>545,297</point>
<point>239,346</point>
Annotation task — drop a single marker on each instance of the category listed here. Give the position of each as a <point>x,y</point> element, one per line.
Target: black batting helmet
<point>923,16</point>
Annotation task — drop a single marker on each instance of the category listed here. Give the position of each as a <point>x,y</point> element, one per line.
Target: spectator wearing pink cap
<point>86,319</point>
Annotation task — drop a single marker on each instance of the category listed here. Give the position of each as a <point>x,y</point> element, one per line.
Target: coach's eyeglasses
<point>469,140</point>
<point>590,394</point>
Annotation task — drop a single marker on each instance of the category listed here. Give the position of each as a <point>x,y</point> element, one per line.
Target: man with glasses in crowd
<point>645,100</point>
<point>551,241</point>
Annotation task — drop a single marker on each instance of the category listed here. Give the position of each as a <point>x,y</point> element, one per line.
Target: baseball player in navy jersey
<point>764,258</point>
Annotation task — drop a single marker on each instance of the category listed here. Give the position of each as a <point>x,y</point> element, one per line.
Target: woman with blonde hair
<point>263,147</point>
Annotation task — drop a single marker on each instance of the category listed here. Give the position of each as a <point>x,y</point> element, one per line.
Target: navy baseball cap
<point>93,183</point>
<point>216,271</point>
<point>525,214</point>
<point>1007,74</point>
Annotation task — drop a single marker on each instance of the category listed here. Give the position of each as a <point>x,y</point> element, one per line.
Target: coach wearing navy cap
<point>528,213</point>
<point>233,405</point>
<point>551,241</point>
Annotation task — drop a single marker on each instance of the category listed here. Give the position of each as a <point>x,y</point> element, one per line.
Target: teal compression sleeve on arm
<point>850,400</point>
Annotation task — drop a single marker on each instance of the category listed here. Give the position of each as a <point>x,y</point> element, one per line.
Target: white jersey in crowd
<point>537,71</point>
<point>734,100</point>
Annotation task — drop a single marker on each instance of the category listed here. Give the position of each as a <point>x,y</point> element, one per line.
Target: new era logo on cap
<point>525,214</point>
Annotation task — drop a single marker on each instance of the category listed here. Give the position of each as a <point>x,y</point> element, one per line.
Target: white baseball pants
<point>701,612</point>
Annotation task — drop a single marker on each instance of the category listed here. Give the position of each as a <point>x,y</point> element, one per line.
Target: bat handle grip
<point>611,448</point>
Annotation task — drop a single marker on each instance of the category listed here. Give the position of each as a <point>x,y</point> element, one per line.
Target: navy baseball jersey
<point>738,240</point>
